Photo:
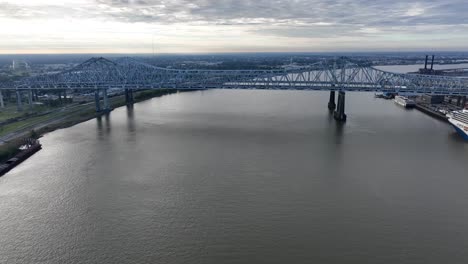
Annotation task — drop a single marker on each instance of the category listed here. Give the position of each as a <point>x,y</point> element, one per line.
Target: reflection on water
<point>241,177</point>
<point>103,125</point>
<point>131,123</point>
<point>339,129</point>
<point>131,118</point>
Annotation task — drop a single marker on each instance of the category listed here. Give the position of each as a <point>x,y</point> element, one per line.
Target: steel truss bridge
<point>341,74</point>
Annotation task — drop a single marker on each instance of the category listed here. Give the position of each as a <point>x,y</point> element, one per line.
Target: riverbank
<point>429,110</point>
<point>63,119</point>
<point>88,114</point>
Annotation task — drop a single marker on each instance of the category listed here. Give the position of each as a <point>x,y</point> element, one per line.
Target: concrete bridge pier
<point>97,100</point>
<point>340,110</point>
<point>2,103</point>
<point>106,100</point>
<point>60,97</point>
<point>331,102</point>
<point>129,96</point>
<point>30,98</point>
<point>19,103</point>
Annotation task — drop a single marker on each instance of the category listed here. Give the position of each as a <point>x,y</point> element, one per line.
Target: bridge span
<point>337,75</point>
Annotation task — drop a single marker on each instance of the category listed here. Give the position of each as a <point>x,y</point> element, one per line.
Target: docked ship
<point>404,101</point>
<point>459,120</point>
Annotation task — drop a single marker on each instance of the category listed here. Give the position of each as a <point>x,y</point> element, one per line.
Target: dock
<point>427,109</point>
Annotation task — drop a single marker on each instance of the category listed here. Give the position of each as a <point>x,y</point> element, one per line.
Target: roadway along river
<point>242,177</point>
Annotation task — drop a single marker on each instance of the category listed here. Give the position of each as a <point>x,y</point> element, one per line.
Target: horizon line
<point>230,52</point>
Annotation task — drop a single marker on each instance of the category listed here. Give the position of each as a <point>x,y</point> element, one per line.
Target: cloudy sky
<point>190,26</point>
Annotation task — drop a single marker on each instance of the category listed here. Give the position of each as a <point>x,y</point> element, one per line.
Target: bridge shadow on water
<point>104,126</point>
<point>131,118</point>
<point>131,125</point>
<point>336,128</point>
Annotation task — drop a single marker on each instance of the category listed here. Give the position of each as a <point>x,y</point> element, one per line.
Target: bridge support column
<point>2,103</point>
<point>106,100</point>
<point>97,101</point>
<point>331,102</point>
<point>60,97</point>
<point>340,110</point>
<point>30,99</point>
<point>19,103</point>
<point>129,96</point>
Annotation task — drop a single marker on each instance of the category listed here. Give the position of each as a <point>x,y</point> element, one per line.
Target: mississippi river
<point>242,177</point>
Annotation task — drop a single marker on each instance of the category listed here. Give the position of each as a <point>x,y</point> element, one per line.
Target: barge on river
<point>404,101</point>
<point>30,147</point>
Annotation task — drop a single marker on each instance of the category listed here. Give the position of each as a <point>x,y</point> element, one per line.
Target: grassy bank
<point>64,119</point>
<point>10,112</point>
<point>88,113</point>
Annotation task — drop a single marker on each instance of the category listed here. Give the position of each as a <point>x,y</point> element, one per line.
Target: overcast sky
<point>190,26</point>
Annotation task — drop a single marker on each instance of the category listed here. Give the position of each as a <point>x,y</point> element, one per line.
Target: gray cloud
<point>11,10</point>
<point>291,18</point>
<point>300,18</point>
<point>339,11</point>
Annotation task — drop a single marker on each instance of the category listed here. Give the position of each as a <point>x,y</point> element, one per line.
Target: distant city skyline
<point>221,26</point>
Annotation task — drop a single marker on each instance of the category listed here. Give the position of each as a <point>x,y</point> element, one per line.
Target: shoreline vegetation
<point>84,113</point>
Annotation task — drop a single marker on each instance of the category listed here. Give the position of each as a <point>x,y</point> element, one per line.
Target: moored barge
<point>30,147</point>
